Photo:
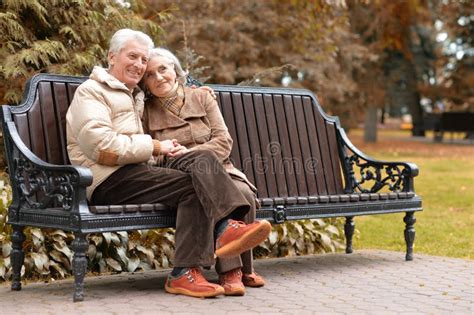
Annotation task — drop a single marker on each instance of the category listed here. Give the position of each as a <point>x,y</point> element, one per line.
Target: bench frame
<point>54,196</point>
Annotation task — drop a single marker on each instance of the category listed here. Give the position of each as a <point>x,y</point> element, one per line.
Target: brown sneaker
<point>192,283</point>
<point>239,237</point>
<point>231,281</point>
<point>253,280</point>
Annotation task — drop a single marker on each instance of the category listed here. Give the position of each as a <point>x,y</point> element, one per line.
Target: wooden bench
<point>299,158</point>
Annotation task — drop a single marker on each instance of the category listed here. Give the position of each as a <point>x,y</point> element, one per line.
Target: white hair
<point>165,53</point>
<point>122,36</point>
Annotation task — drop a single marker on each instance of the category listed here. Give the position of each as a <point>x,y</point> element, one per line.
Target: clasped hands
<point>172,148</point>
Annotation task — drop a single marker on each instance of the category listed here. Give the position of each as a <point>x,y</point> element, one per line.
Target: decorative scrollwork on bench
<point>42,188</point>
<point>372,176</point>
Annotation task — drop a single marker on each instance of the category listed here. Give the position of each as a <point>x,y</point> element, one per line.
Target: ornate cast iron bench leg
<point>409,220</point>
<point>349,232</point>
<point>18,256</point>
<point>79,265</point>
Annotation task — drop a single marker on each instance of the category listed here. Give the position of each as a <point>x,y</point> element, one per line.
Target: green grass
<point>446,184</point>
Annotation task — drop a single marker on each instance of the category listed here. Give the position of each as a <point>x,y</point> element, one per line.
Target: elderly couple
<point>171,147</point>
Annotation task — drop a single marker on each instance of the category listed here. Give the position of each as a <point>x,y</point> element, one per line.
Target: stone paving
<point>365,282</point>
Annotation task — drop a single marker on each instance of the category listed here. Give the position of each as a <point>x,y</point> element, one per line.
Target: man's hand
<point>207,89</point>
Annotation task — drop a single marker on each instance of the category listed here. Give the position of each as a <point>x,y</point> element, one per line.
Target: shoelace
<point>236,224</point>
<point>193,275</point>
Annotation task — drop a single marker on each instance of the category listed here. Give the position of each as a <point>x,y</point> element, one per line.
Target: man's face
<point>129,64</point>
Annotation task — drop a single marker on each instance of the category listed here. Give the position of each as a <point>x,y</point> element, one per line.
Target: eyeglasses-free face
<point>160,76</point>
<point>129,64</point>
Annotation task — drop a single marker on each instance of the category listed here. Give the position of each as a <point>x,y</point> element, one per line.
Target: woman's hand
<point>169,146</point>
<point>178,151</point>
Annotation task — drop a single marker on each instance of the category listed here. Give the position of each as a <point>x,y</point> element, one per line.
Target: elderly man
<point>104,133</point>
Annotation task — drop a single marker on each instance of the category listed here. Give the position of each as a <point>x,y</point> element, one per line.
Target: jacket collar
<point>164,119</point>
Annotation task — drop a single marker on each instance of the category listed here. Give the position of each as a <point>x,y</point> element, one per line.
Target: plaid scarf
<point>174,101</point>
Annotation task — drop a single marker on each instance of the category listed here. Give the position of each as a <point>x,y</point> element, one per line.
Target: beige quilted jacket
<point>103,127</point>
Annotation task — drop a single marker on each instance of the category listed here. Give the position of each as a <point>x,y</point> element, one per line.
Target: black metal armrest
<point>40,185</point>
<point>364,174</point>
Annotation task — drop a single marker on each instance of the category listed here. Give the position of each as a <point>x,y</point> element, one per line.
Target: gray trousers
<point>197,186</point>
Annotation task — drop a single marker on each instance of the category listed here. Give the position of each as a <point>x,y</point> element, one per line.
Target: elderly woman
<point>192,118</point>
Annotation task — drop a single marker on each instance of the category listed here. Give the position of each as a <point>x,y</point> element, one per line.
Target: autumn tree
<point>397,32</point>
<point>305,44</point>
<point>453,79</point>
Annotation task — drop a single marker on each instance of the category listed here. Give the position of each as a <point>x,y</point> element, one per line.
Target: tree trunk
<point>370,124</point>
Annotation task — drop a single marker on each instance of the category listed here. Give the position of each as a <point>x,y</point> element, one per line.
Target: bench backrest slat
<point>282,141</point>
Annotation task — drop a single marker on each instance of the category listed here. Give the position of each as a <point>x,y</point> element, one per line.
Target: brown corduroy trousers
<point>196,185</point>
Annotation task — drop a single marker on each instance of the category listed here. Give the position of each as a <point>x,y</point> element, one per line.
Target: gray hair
<point>165,53</point>
<point>122,36</point>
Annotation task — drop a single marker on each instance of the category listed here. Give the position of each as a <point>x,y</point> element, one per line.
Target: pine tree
<point>65,37</point>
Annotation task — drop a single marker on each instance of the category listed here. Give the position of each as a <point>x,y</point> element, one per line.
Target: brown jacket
<point>199,126</point>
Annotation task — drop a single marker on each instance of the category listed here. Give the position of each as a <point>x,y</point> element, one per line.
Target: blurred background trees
<point>358,56</point>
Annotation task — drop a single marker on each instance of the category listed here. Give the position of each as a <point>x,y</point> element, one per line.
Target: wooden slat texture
<point>36,130</point>
<point>61,105</point>
<point>281,142</point>
<point>254,143</point>
<point>21,122</point>
<point>275,147</point>
<point>71,89</point>
<point>296,157</point>
<point>314,145</point>
<point>225,102</point>
<point>325,154</point>
<point>285,146</point>
<point>308,161</point>
<point>50,124</point>
<point>336,167</point>
<point>218,98</point>
<point>241,128</point>
<point>267,160</point>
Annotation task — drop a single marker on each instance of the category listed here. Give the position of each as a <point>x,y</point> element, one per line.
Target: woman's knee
<point>250,196</point>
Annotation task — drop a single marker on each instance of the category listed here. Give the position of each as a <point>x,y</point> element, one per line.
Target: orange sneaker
<point>253,280</point>
<point>239,237</point>
<point>192,283</point>
<point>231,281</point>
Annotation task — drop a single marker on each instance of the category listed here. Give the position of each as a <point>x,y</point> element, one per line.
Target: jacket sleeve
<point>220,142</point>
<point>91,121</point>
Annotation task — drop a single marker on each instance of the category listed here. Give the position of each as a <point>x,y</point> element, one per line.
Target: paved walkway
<point>366,282</point>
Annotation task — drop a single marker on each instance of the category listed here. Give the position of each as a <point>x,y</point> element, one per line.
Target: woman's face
<point>160,76</point>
